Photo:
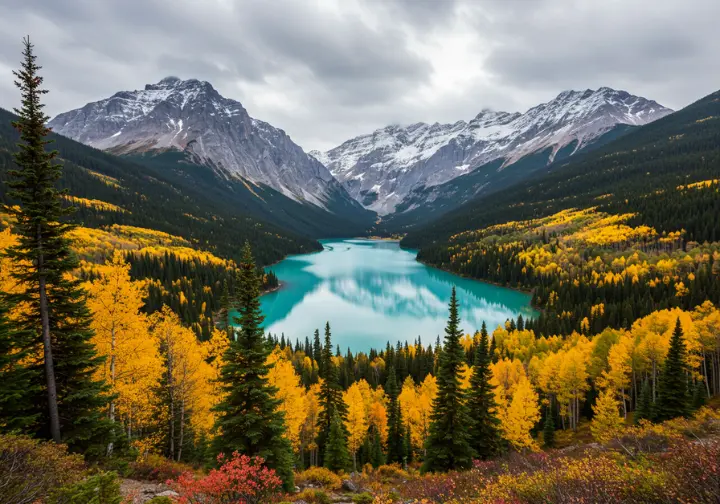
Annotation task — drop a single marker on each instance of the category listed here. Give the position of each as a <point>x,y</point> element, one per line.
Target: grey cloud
<point>352,67</point>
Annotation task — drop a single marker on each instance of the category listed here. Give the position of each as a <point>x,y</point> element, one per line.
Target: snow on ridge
<point>190,115</point>
<point>431,154</point>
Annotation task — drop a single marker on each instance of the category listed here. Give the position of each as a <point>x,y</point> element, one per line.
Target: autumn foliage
<point>239,480</point>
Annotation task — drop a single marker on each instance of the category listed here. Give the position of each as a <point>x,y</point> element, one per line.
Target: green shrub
<point>30,469</point>
<point>160,500</point>
<point>103,488</point>
<point>312,496</point>
<point>363,498</point>
<point>319,476</point>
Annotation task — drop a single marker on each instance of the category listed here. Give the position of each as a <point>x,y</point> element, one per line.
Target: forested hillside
<point>681,148</point>
<point>154,201</point>
<point>429,203</point>
<point>604,239</point>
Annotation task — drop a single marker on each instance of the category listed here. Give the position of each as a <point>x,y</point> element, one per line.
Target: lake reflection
<point>373,292</point>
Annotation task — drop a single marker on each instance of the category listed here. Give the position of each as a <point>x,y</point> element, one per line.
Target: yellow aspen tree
<point>132,366</point>
<point>573,382</point>
<point>425,397</point>
<point>309,431</point>
<point>618,375</point>
<point>187,377</point>
<point>290,392</point>
<point>607,422</point>
<point>356,422</point>
<point>409,402</point>
<point>521,416</point>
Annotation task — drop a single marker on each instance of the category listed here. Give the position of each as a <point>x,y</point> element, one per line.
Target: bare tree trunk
<point>707,378</point>
<point>182,428</point>
<point>171,390</point>
<point>112,382</point>
<point>654,377</point>
<point>47,346</point>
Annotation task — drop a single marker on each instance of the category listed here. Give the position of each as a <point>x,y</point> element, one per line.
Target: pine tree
<point>225,310</point>
<point>407,446</point>
<point>377,457</point>
<point>17,412</point>
<point>549,430</point>
<point>70,409</point>
<point>699,396</point>
<point>331,397</point>
<point>317,353</point>
<point>485,436</point>
<point>248,418</point>
<point>394,416</point>
<point>673,398</point>
<point>645,409</point>
<point>336,452</point>
<point>448,445</point>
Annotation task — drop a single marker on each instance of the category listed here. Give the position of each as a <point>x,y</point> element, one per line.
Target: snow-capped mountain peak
<point>381,168</point>
<point>191,116</point>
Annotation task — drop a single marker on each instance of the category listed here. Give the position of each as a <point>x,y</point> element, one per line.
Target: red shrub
<point>240,480</point>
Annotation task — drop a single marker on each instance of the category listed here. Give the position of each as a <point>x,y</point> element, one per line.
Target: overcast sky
<point>328,70</point>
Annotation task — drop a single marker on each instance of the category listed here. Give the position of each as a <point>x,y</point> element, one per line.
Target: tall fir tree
<point>331,396</point>
<point>549,429</point>
<point>673,399</point>
<point>336,456</point>
<point>485,436</point>
<point>71,401</point>
<point>17,411</point>
<point>248,418</point>
<point>645,408</point>
<point>448,444</point>
<point>395,447</point>
<point>377,456</point>
<point>407,446</point>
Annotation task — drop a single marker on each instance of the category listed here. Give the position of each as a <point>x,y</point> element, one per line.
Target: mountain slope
<point>427,203</point>
<point>381,169</point>
<point>190,116</point>
<point>634,173</point>
<point>113,190</point>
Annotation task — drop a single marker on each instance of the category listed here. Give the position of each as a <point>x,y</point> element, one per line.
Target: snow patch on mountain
<point>381,168</point>
<point>191,116</point>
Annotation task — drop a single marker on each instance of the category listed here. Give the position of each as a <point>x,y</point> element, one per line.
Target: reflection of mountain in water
<point>372,292</point>
<point>410,294</point>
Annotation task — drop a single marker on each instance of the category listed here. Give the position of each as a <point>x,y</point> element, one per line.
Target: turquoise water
<point>372,292</point>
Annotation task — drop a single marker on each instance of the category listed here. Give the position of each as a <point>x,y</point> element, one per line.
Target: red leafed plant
<point>239,480</point>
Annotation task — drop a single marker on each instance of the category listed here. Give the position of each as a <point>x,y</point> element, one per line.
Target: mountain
<point>111,190</point>
<point>393,168</point>
<point>639,173</point>
<point>191,117</point>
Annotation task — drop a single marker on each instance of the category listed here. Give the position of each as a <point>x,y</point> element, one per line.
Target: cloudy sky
<point>327,70</point>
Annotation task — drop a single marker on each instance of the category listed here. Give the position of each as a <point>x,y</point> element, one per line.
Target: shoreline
<point>489,282</point>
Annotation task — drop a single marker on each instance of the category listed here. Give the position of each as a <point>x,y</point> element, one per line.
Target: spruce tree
<point>336,456</point>
<point>673,399</point>
<point>248,418</point>
<point>549,429</point>
<point>645,409</point>
<point>331,397</point>
<point>699,397</point>
<point>448,445</point>
<point>17,381</point>
<point>485,426</point>
<point>70,402</point>
<point>395,449</point>
<point>407,446</point>
<point>377,457</point>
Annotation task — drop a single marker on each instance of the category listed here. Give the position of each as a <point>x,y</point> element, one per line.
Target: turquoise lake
<point>373,291</point>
